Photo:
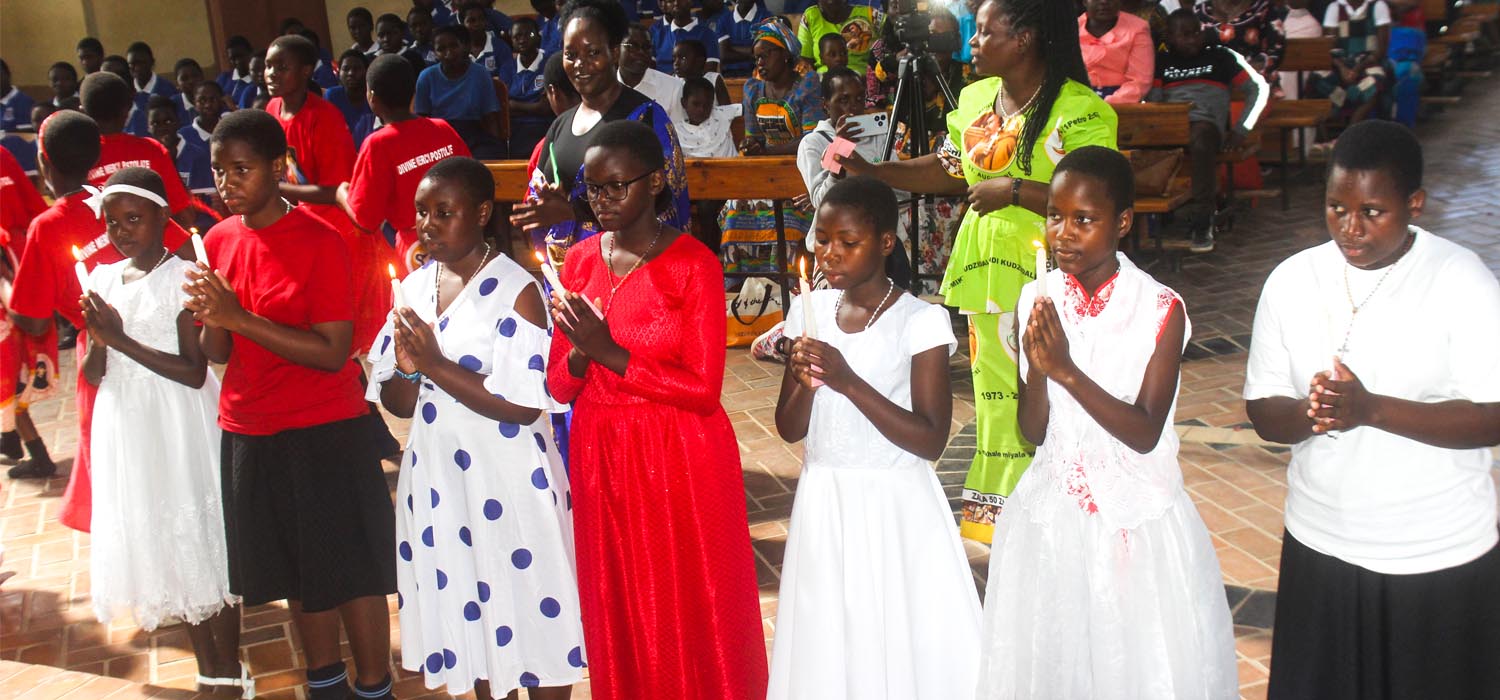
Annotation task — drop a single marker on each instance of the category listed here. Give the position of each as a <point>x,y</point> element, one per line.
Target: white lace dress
<point>157,546</point>
<point>877,599</point>
<point>1103,582</point>
<point>485,578</point>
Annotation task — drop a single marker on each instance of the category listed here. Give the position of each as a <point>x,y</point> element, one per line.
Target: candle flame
<point>539,257</point>
<point>77,254</point>
<point>391,268</point>
<point>192,229</point>
<point>802,266</point>
<point>1038,244</point>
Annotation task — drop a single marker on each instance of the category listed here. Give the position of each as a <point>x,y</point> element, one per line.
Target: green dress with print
<point>994,255</point>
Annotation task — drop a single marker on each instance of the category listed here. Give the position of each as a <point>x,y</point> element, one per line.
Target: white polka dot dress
<point>484,567</point>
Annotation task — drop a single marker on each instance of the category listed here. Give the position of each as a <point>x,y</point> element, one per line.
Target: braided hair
<point>1055,28</point>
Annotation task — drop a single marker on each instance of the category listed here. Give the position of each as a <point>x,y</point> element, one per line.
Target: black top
<point>568,149</point>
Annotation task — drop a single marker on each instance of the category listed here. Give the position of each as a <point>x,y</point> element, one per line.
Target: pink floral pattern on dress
<point>1078,487</point>
<point>1083,305</point>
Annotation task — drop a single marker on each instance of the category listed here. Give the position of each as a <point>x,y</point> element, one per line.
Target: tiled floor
<point>1237,481</point>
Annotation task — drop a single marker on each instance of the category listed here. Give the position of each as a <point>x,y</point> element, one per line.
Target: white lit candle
<point>80,270</point>
<point>550,273</point>
<point>198,250</point>
<point>398,299</point>
<point>809,322</point>
<point>1041,268</point>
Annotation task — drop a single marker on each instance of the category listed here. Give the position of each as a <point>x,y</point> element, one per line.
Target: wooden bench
<point>769,177</point>
<point>1301,56</point>
<point>1156,125</point>
<point>736,87</point>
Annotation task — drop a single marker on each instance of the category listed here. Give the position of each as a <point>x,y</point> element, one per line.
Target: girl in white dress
<point>487,593</point>
<point>157,551</point>
<point>1103,581</point>
<point>877,599</point>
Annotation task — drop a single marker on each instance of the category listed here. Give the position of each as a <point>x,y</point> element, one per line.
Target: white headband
<point>96,196</point>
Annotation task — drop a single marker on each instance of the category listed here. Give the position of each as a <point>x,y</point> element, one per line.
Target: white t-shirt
<point>1430,333</point>
<point>663,89</point>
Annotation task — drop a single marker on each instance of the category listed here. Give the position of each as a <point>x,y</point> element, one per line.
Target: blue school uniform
<point>325,75</point>
<point>442,13</point>
<point>636,10</point>
<point>500,23</point>
<point>357,116</point>
<point>15,110</point>
<point>496,56</point>
<point>23,149</point>
<point>428,54</point>
<point>195,134</point>
<point>234,85</point>
<point>665,35</point>
<point>467,99</point>
<point>193,167</point>
<point>138,124</point>
<point>525,85</point>
<point>551,35</point>
<point>740,31</point>
<point>248,95</point>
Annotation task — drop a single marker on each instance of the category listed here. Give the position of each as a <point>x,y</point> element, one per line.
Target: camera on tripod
<point>914,30</point>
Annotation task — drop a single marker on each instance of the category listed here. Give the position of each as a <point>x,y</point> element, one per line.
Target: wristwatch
<point>1015,191</point>
<point>784,346</point>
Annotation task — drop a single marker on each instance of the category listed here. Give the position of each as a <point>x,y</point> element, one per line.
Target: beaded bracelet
<point>413,377</point>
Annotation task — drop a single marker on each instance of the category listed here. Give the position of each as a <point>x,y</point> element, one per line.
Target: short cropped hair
<point>214,84</point>
<point>361,13</point>
<point>529,21</point>
<point>186,63</point>
<point>458,31</point>
<point>70,141</point>
<point>353,53</point>
<point>161,102</point>
<point>62,66</point>
<point>253,127</point>
<point>553,75</point>
<point>471,176</point>
<point>140,47</point>
<point>299,46</point>
<point>833,75</point>
<point>106,96</point>
<point>698,86</point>
<point>832,36</point>
<point>390,17</point>
<point>312,36</point>
<point>238,41</point>
<point>1381,145</point>
<point>393,79</point>
<point>144,178</point>
<point>695,46</point>
<point>873,201</point>
<point>89,43</point>
<point>1107,166</point>
<point>638,141</point>
<point>608,14</point>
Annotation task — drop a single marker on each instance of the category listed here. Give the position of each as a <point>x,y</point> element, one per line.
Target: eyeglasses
<point>612,191</point>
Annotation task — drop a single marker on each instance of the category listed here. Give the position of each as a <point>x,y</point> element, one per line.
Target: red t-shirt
<point>45,281</point>
<point>119,151</point>
<point>391,164</point>
<point>19,201</point>
<point>320,150</point>
<point>295,272</point>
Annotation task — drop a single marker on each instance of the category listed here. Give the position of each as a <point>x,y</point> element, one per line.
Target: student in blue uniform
<point>192,161</point>
<point>208,102</point>
<point>349,95</point>
<point>546,19</point>
<point>361,25</point>
<point>24,149</point>
<point>63,78</point>
<point>390,39</point>
<point>500,23</point>
<point>15,106</point>
<point>90,54</point>
<point>677,22</point>
<point>188,75</point>
<point>530,115</point>
<point>461,92</point>
<point>419,27</point>
<point>142,65</point>
<point>486,48</point>
<point>325,71</point>
<point>256,95</point>
<point>737,37</point>
<point>235,81</point>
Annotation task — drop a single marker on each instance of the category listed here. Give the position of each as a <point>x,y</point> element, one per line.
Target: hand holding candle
<point>199,251</point>
<point>398,299</point>
<point>1041,268</point>
<point>80,270</point>
<point>550,273</point>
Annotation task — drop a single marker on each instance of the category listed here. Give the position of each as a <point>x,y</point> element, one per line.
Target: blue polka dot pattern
<point>537,363</point>
<point>465,537</point>
<point>503,635</point>
<point>550,607</point>
<point>462,459</point>
<point>442,579</point>
<point>487,287</point>
<point>429,413</point>
<point>409,507</point>
<point>413,458</point>
<point>427,538</point>
<point>435,497</point>
<point>471,611</point>
<point>575,657</point>
<point>385,343</point>
<point>529,680</point>
<point>521,558</point>
<point>541,443</point>
<point>484,592</point>
<point>434,662</point>
<point>470,362</point>
<point>492,509</point>
<point>509,430</point>
<point>539,478</point>
<point>405,549</point>
<point>507,327</point>
<point>400,600</point>
<point>443,325</point>
<point>450,659</point>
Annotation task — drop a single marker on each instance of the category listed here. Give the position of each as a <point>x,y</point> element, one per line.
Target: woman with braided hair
<point>1010,129</point>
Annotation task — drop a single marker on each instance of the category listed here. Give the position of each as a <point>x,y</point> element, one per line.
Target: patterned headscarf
<point>776,30</point>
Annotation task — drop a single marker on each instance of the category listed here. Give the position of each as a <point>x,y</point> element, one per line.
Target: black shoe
<point>32,469</point>
<point>1203,240</point>
<point>10,445</point>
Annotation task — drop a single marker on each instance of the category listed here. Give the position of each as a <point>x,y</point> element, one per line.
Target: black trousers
<point>1204,141</point>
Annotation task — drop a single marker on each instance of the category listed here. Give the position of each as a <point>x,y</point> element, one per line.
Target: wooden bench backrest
<point>1311,53</point>
<point>771,177</point>
<point>736,88</point>
<point>1149,124</point>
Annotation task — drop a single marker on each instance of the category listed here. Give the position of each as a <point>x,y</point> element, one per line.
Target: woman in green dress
<point>1005,137</point>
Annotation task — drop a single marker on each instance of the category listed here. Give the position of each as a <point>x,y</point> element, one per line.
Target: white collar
<point>181,144</point>
<point>684,27</point>
<point>187,103</point>
<point>489,45</point>
<point>1359,13</point>
<point>148,87</point>
<point>204,133</point>
<point>754,10</point>
<point>241,78</point>
<point>11,95</point>
<point>541,60</point>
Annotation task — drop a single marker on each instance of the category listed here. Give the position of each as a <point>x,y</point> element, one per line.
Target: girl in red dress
<point>665,573</point>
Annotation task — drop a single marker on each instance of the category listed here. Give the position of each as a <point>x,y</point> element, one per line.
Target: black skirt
<point>1347,633</point>
<point>308,516</point>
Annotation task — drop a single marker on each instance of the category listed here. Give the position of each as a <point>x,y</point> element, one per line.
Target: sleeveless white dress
<point>877,599</point>
<point>157,545</point>
<point>485,577</point>
<point>1103,581</point>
